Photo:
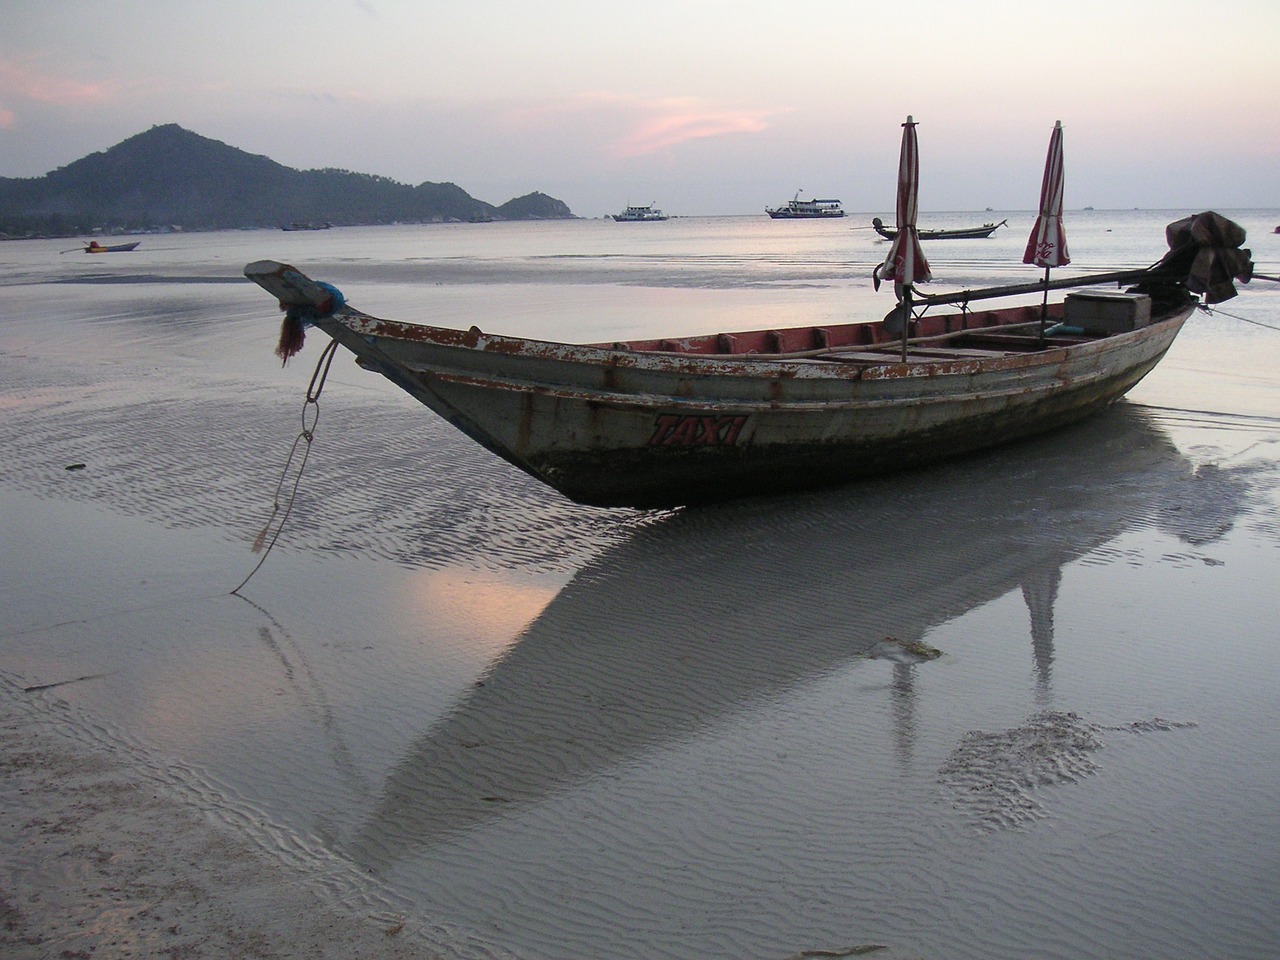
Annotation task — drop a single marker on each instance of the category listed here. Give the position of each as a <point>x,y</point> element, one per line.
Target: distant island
<point>169,178</point>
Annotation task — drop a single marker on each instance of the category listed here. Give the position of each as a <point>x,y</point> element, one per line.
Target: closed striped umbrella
<point>1047,245</point>
<point>905,262</point>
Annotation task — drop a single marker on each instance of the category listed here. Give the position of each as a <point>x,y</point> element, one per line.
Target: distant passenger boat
<point>639,214</point>
<point>959,233</point>
<point>797,209</point>
<point>96,247</point>
<point>307,226</point>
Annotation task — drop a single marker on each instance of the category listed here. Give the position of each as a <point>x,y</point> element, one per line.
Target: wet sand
<point>102,862</point>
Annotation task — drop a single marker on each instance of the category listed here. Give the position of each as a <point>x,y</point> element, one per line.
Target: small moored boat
<point>670,422</point>
<point>956,233</point>
<point>797,209</point>
<point>643,214</point>
<point>95,247</point>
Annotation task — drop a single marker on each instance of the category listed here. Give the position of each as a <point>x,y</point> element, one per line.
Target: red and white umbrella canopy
<point>1047,246</point>
<point>905,262</point>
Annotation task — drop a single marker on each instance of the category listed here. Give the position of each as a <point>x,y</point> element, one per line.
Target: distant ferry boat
<point>797,209</point>
<point>639,214</point>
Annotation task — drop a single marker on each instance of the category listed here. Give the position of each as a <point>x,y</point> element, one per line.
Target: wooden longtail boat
<point>663,423</point>
<point>95,247</point>
<point>958,233</point>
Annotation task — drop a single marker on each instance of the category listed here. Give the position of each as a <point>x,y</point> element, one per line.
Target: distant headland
<point>169,178</point>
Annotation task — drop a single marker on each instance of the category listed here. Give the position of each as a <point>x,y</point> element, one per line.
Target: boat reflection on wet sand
<point>707,614</point>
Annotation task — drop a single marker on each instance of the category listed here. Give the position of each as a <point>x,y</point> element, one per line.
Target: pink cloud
<point>640,127</point>
<point>674,122</point>
<point>7,119</point>
<point>18,80</point>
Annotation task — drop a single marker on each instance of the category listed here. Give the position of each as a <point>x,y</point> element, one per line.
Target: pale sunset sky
<point>699,106</point>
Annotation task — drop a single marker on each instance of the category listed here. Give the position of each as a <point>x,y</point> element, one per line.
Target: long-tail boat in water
<point>93,246</point>
<point>688,420</point>
<point>952,233</point>
<point>671,422</point>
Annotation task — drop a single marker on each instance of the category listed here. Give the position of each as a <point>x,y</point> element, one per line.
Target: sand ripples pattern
<point>202,792</point>
<point>998,778</point>
<point>384,479</point>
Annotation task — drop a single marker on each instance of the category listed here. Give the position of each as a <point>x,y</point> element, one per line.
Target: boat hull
<point>785,214</point>
<point>960,233</point>
<point>619,428</point>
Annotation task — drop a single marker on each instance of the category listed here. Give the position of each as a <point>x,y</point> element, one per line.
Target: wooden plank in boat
<point>943,353</point>
<point>920,354</point>
<point>872,357</point>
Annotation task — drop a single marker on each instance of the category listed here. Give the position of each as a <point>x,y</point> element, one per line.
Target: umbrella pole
<point>1044,307</point>
<point>906,318</point>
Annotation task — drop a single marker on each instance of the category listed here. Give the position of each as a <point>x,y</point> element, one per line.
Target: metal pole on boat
<point>906,318</point>
<point>1016,289</point>
<point>1044,307</point>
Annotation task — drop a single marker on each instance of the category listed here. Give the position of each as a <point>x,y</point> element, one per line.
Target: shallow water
<point>545,730</point>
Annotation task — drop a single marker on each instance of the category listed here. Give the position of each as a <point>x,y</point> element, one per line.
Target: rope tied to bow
<point>266,538</point>
<point>299,316</point>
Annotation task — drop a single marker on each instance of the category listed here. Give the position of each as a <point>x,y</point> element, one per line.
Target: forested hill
<point>170,177</point>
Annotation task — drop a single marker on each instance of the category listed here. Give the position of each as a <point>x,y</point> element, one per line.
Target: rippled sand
<point>109,853</point>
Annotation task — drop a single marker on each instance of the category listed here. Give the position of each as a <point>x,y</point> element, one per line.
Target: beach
<point>1019,705</point>
<point>102,862</point>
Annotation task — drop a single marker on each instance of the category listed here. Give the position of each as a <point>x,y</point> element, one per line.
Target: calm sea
<point>548,731</point>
